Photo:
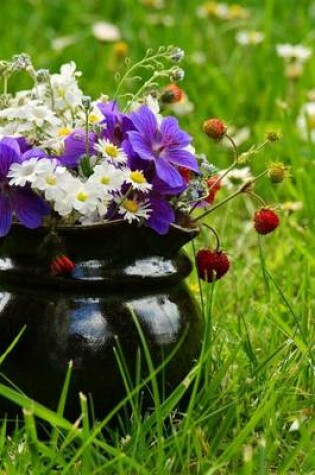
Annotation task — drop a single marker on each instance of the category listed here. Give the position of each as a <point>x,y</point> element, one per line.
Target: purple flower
<point>162,214</point>
<point>28,207</point>
<point>76,146</point>
<point>164,145</point>
<point>116,124</point>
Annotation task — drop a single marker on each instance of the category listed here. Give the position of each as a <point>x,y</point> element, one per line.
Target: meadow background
<point>252,406</point>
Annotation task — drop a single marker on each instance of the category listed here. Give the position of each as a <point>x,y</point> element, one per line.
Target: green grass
<point>255,375</point>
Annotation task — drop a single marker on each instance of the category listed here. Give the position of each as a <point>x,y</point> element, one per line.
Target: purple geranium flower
<point>28,207</point>
<point>165,145</point>
<point>116,124</point>
<point>76,146</point>
<point>162,214</point>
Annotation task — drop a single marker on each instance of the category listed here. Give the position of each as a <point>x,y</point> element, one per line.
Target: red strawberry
<point>211,265</point>
<point>214,185</point>
<point>214,128</point>
<point>172,93</point>
<point>61,265</point>
<point>266,221</point>
<point>185,172</point>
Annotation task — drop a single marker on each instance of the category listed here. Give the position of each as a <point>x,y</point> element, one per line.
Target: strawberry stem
<point>217,238</point>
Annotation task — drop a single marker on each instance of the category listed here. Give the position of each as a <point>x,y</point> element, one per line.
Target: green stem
<point>221,203</point>
<point>87,132</point>
<point>234,147</point>
<point>5,85</point>
<point>257,197</point>
<point>217,238</point>
<point>139,64</point>
<point>245,188</point>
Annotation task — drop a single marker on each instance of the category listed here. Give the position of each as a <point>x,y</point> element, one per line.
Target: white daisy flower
<point>293,52</point>
<point>20,173</point>
<point>40,114</point>
<point>137,180</point>
<point>52,180</point>
<point>252,37</point>
<point>104,31</point>
<point>133,210</point>
<point>235,177</point>
<point>306,121</point>
<point>110,151</point>
<point>83,196</point>
<point>106,178</point>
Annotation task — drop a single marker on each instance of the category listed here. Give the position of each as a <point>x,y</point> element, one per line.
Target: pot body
<point>123,275</point>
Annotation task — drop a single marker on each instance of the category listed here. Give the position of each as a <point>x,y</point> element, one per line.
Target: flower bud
<point>177,54</point>
<point>273,135</point>
<point>86,102</point>
<point>214,128</point>
<point>177,74</point>
<point>277,172</point>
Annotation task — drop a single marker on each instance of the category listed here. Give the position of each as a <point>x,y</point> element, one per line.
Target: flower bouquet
<point>68,160</point>
<point>97,197</point>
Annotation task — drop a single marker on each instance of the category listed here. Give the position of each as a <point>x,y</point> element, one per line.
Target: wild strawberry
<point>214,185</point>
<point>266,221</point>
<point>185,172</point>
<point>214,128</point>
<point>61,265</point>
<point>171,94</point>
<point>211,265</point>
<point>277,172</point>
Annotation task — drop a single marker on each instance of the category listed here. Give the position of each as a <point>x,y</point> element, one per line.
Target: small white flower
<point>235,177</point>
<point>133,210</point>
<point>138,181</point>
<point>52,180</point>
<point>182,107</point>
<point>239,136</point>
<point>245,38</point>
<point>40,115</point>
<point>66,93</point>
<point>106,178</point>
<point>152,103</point>
<point>22,173</point>
<point>306,121</point>
<point>104,31</point>
<point>291,52</point>
<point>58,44</point>
<point>83,196</point>
<point>111,152</point>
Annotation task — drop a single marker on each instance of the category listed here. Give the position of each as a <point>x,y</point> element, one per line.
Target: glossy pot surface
<point>123,273</point>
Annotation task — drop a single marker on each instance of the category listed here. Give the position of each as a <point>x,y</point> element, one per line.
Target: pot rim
<point>82,228</point>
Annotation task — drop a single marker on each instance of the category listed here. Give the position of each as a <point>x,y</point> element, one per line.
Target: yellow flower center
<point>93,118</point>
<point>121,49</point>
<point>51,180</point>
<point>111,150</point>
<point>105,180</point>
<point>130,205</point>
<point>63,131</point>
<point>237,11</point>
<point>137,177</point>
<point>82,196</point>
<point>211,8</point>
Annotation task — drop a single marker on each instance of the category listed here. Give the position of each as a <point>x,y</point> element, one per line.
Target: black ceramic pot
<point>78,317</point>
